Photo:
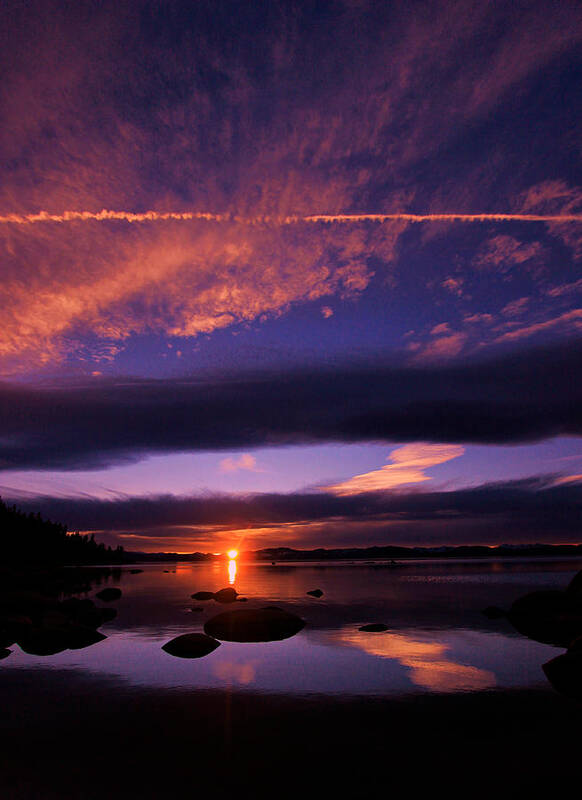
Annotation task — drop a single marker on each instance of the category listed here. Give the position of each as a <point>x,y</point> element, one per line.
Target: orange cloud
<point>441,348</point>
<point>571,319</point>
<point>245,461</point>
<point>409,465</point>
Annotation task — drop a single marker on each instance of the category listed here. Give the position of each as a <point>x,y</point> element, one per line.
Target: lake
<point>439,651</point>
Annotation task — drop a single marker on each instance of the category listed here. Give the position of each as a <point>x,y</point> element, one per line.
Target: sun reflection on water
<point>231,570</point>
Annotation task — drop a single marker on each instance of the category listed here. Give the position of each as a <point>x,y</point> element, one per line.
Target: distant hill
<point>387,552</point>
<point>30,539</point>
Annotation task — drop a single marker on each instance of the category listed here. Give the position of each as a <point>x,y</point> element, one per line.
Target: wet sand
<point>70,735</point>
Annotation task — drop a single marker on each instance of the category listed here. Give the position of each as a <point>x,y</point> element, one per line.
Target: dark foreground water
<point>444,695</point>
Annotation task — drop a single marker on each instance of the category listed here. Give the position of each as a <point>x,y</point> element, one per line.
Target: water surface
<point>438,640</point>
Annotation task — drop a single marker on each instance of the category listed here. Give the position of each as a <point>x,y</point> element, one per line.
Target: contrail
<point>156,216</point>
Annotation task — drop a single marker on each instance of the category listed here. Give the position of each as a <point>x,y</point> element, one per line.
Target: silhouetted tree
<point>30,538</point>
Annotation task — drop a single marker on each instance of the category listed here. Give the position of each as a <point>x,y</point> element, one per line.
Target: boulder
<point>108,594</point>
<point>14,625</point>
<point>135,571</point>
<point>315,593</point>
<point>575,585</point>
<point>78,637</point>
<point>197,608</point>
<point>202,596</point>
<point>191,645</point>
<point>227,595</point>
<point>248,625</point>
<point>107,614</point>
<point>374,627</point>
<point>565,674</point>
<point>548,616</point>
<point>43,641</point>
<point>493,612</point>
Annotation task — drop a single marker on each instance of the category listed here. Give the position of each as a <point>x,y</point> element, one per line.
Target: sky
<point>292,274</point>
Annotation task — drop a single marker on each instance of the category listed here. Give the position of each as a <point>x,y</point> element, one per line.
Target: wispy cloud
<point>408,466</point>
<point>244,461</point>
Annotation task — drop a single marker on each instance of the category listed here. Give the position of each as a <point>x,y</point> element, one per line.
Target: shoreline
<point>67,734</point>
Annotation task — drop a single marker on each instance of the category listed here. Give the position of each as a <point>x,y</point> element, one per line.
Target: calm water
<point>438,639</point>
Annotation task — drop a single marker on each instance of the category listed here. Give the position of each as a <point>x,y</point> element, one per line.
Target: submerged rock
<point>191,645</point>
<point>248,625</point>
<point>374,627</point>
<point>108,594</point>
<point>227,595</point>
<point>315,593</point>
<point>202,596</point>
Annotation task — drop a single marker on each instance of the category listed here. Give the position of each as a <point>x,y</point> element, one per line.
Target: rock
<point>374,627</point>
<point>202,596</point>
<point>247,625</point>
<point>14,625</point>
<point>227,595</point>
<point>43,642</point>
<point>197,608</point>
<point>4,653</point>
<point>315,593</point>
<point>565,674</point>
<point>108,594</point>
<point>575,585</point>
<point>548,616</point>
<point>493,612</point>
<point>107,614</point>
<point>191,645</point>
<point>135,571</point>
<point>242,599</point>
<point>78,637</point>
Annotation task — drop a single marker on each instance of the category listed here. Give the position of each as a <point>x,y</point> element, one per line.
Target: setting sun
<point>232,553</point>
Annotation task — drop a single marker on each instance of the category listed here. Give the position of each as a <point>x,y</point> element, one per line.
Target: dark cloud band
<point>526,510</point>
<point>521,397</point>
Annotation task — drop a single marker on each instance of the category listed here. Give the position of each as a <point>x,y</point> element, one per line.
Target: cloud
<point>245,461</point>
<point>522,396</point>
<point>516,307</point>
<point>409,465</point>
<point>571,320</point>
<point>566,288</point>
<point>502,253</point>
<point>441,348</point>
<point>158,180</point>
<point>535,509</point>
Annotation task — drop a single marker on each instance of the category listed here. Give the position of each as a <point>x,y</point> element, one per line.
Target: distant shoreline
<point>389,553</point>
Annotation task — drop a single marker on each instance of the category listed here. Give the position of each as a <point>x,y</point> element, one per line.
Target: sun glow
<point>232,553</point>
